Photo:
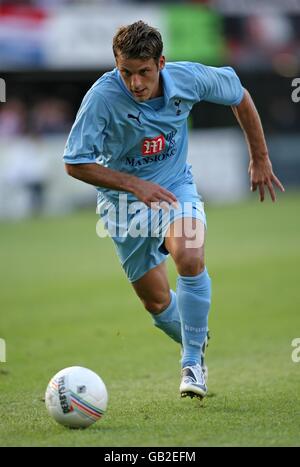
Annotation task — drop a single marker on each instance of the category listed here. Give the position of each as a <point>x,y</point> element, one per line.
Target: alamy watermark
<point>296,351</point>
<point>296,92</point>
<point>2,90</point>
<point>2,351</point>
<point>124,218</point>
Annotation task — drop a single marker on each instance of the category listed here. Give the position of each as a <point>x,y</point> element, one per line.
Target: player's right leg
<point>153,289</point>
<point>143,260</point>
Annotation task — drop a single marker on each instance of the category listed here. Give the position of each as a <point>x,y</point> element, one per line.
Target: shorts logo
<point>153,146</point>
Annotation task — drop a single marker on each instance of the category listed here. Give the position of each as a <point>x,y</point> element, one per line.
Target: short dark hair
<point>138,40</point>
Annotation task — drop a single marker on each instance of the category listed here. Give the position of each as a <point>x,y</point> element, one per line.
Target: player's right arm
<point>87,144</point>
<point>100,176</point>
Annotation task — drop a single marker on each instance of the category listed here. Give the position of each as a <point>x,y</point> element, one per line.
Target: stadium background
<point>53,267</point>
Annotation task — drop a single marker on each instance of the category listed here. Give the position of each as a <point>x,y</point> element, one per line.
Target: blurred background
<point>64,299</point>
<point>51,51</point>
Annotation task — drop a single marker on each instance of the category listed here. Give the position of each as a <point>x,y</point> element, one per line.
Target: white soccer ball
<point>76,397</point>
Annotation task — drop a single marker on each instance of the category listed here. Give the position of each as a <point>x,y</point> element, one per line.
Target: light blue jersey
<point>147,139</point>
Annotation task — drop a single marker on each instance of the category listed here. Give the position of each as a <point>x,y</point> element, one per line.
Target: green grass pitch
<point>65,301</point>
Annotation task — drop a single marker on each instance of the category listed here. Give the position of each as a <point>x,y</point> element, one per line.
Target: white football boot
<point>194,378</point>
<point>193,382</point>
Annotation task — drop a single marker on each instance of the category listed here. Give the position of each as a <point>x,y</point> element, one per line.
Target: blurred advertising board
<point>80,36</point>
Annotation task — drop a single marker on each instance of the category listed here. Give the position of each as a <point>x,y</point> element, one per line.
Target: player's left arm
<point>260,167</point>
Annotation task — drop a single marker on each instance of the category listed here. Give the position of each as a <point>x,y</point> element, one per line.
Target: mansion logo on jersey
<point>155,149</point>
<point>153,146</point>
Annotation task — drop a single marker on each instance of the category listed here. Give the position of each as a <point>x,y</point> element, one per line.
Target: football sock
<point>168,320</point>
<point>193,301</point>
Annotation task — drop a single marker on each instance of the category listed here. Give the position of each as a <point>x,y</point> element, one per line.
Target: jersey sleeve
<point>86,139</point>
<point>218,85</point>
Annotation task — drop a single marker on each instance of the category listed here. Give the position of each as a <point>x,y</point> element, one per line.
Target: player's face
<point>141,77</point>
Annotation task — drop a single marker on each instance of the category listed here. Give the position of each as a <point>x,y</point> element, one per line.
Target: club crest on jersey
<point>153,146</point>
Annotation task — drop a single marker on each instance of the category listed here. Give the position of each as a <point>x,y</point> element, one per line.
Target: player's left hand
<point>261,175</point>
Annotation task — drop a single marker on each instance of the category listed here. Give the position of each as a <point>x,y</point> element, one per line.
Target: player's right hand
<point>153,194</point>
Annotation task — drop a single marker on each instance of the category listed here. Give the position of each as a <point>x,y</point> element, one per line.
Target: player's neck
<point>159,92</point>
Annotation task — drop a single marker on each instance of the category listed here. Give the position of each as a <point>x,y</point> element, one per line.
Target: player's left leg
<point>193,298</point>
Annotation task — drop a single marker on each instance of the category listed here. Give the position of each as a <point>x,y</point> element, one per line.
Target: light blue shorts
<point>138,232</point>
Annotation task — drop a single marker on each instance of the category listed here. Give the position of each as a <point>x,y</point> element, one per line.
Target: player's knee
<point>68,169</point>
<point>190,265</point>
<point>155,306</point>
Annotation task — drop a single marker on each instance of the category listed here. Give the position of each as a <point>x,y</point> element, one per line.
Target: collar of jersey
<point>169,87</point>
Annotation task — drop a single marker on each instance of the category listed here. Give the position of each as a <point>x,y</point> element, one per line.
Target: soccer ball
<point>76,397</point>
